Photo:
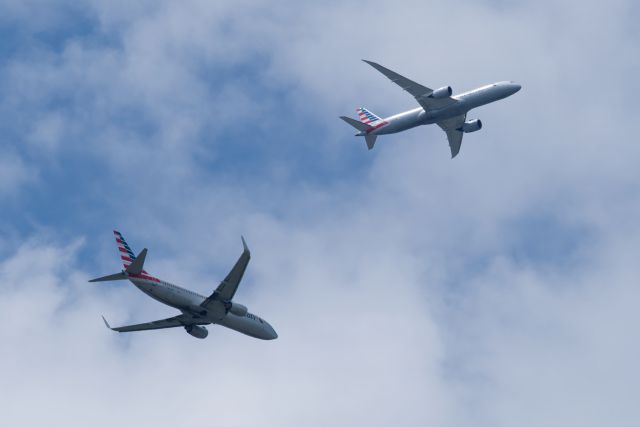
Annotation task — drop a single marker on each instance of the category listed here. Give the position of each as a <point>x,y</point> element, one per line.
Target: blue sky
<point>496,289</point>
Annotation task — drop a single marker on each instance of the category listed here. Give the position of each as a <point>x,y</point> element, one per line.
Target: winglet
<point>106,323</point>
<point>244,244</point>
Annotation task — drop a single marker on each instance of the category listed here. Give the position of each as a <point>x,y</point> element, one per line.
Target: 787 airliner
<point>436,106</point>
<point>197,310</point>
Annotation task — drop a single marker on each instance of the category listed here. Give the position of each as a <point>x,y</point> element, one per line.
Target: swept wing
<point>453,127</point>
<point>171,322</point>
<point>228,287</point>
<point>419,92</point>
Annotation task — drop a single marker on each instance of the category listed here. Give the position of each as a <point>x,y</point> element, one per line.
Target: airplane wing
<point>419,92</point>
<point>171,322</point>
<point>228,287</point>
<point>454,135</point>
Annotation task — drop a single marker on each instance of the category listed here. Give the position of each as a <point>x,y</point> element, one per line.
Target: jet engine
<point>238,309</point>
<point>197,331</point>
<point>471,126</point>
<point>443,92</point>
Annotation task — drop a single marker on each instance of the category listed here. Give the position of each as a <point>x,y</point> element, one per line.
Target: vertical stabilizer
<point>126,254</point>
<point>368,123</point>
<point>370,139</point>
<point>367,117</point>
<point>131,265</point>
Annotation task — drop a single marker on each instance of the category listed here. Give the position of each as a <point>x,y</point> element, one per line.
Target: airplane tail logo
<point>367,117</point>
<point>126,254</point>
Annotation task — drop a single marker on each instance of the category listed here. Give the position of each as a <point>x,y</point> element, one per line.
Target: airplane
<point>436,106</point>
<point>197,310</point>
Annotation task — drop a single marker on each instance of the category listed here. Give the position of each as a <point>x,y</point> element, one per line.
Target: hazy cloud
<point>496,289</point>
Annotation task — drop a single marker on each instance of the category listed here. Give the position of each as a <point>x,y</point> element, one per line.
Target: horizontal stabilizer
<point>356,124</point>
<point>137,264</point>
<point>111,277</point>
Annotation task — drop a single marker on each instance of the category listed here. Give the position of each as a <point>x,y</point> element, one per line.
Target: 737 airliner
<point>196,309</point>
<point>436,106</point>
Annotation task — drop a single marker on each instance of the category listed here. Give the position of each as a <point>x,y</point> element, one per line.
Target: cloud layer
<point>497,289</point>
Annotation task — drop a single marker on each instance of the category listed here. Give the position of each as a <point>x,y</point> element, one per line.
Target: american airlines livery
<point>436,106</point>
<point>196,309</point>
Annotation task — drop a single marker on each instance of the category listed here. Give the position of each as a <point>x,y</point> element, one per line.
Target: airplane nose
<point>271,334</point>
<point>516,87</point>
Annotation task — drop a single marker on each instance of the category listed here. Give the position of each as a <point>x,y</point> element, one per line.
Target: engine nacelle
<point>471,126</point>
<point>197,331</point>
<point>443,92</point>
<point>238,309</point>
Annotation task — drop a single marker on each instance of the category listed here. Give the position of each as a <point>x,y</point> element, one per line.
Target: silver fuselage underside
<point>189,303</point>
<point>465,102</point>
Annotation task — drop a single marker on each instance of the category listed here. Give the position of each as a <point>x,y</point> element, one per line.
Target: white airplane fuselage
<point>190,303</point>
<point>466,102</point>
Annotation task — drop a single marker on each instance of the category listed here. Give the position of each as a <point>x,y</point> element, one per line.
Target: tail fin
<point>126,254</point>
<point>131,263</point>
<point>364,129</point>
<point>367,117</point>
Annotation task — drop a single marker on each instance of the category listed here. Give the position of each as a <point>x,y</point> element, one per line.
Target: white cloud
<point>396,293</point>
<point>14,173</point>
<point>321,368</point>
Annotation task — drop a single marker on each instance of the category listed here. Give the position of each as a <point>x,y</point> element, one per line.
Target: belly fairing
<point>454,110</point>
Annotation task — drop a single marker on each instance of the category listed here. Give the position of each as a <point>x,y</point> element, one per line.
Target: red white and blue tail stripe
<point>126,254</point>
<point>367,117</point>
